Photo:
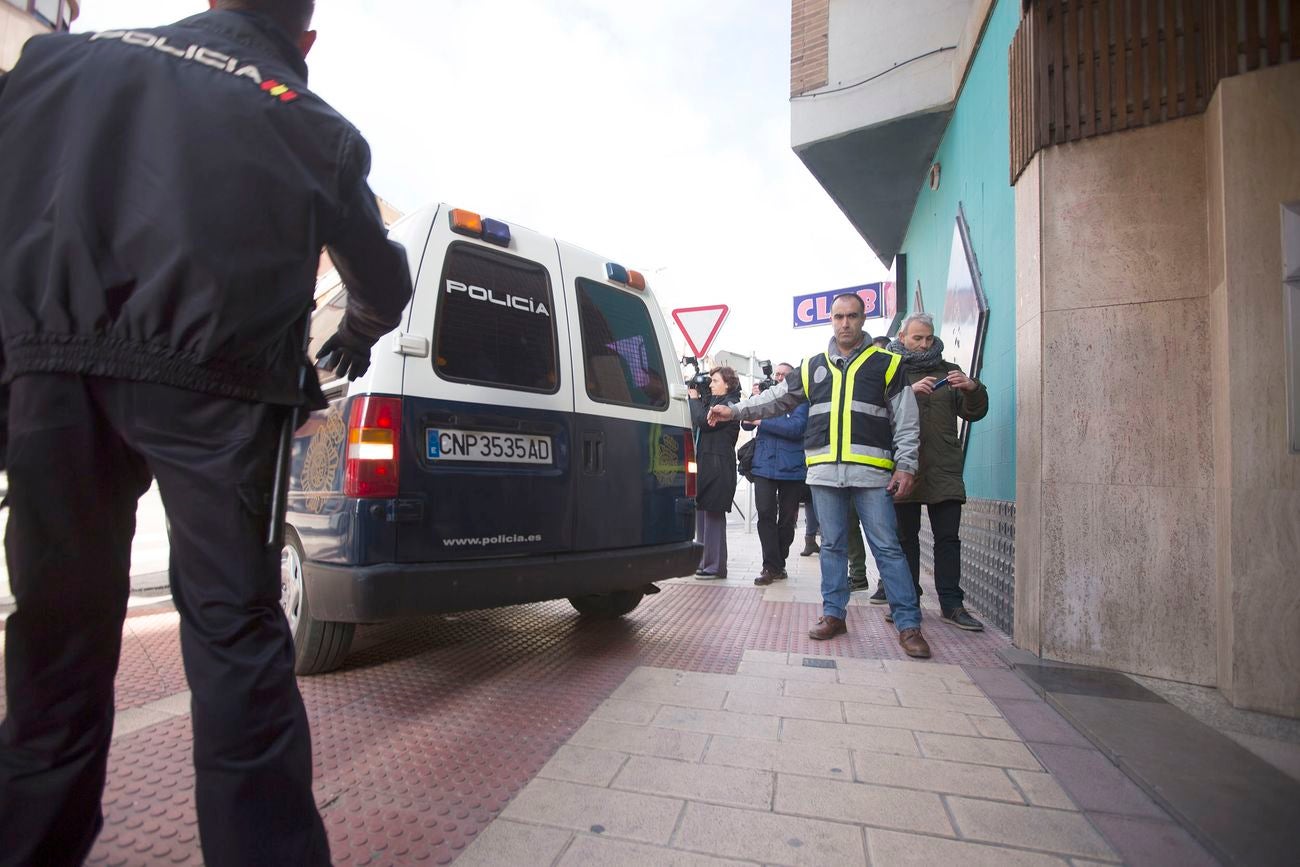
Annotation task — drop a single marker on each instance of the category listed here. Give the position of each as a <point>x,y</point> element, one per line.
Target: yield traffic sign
<point>700,325</point>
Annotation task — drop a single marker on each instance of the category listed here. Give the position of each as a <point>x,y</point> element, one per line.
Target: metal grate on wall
<point>988,558</point>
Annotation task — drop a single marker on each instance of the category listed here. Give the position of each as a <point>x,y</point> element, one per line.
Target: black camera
<point>700,381</point>
<point>767,381</point>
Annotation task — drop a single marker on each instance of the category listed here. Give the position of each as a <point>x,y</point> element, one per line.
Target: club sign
<point>815,309</point>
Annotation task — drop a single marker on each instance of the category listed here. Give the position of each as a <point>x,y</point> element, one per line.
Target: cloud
<point>655,133</point>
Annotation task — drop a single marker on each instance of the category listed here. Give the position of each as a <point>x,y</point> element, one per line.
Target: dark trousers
<point>777,503</point>
<point>81,452</point>
<point>945,523</point>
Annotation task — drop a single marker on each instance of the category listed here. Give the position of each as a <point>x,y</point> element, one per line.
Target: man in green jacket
<point>944,393</point>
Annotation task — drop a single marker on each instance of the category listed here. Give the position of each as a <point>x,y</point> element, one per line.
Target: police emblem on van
<point>489,296</point>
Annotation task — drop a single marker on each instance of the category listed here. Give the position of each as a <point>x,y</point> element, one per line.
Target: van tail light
<point>374,431</point>
<point>689,456</point>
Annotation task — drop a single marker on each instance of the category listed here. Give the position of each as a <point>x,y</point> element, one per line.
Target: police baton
<point>284,450</point>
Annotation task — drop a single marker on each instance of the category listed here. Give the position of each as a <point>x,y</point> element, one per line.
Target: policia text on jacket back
<point>164,197</point>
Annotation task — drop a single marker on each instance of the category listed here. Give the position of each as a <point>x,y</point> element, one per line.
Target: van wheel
<point>318,645</point>
<point>614,604</point>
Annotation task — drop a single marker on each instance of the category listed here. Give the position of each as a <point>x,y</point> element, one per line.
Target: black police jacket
<point>164,197</point>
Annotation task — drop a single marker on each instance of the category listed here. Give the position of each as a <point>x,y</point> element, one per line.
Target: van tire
<point>614,604</point>
<point>318,645</point>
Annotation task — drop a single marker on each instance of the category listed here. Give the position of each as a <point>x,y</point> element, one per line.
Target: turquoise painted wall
<point>974,156</point>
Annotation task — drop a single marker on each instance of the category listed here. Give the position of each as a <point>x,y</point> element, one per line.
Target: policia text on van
<point>516,439</point>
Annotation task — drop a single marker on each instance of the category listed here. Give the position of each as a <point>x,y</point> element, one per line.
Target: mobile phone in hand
<point>938,385</point>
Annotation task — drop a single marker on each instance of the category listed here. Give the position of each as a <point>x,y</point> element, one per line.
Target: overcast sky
<point>655,133</point>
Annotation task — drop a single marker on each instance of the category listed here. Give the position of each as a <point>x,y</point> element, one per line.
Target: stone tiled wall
<point>1252,138</point>
<point>988,558</point>
<point>1115,472</point>
<point>809,44</point>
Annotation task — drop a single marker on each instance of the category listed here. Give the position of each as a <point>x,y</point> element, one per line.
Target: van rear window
<point>623,362</point>
<point>496,321</point>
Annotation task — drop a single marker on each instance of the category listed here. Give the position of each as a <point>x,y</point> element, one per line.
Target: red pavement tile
<point>434,725</point>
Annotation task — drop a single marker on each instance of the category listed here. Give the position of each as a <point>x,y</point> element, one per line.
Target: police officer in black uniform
<point>164,197</point>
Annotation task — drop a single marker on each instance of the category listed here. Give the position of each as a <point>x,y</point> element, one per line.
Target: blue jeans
<point>876,511</point>
<point>810,520</point>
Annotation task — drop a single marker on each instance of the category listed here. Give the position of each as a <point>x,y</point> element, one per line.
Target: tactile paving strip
<point>434,725</point>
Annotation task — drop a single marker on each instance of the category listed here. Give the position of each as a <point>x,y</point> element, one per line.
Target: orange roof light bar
<point>466,222</point>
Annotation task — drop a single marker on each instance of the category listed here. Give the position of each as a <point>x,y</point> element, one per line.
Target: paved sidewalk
<point>692,731</point>
<point>872,761</point>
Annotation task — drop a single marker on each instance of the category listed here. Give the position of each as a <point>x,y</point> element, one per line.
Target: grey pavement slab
<point>863,803</point>
<point>583,765</point>
<point>640,740</point>
<point>978,751</point>
<point>1038,722</point>
<point>1094,782</point>
<point>590,851</point>
<point>1059,831</point>
<point>933,775</point>
<point>1243,809</point>
<point>769,838</point>
<point>871,738</point>
<point>896,848</point>
<point>1146,841</point>
<point>630,815</point>
<point>506,844</point>
<point>814,760</point>
<point>736,787</point>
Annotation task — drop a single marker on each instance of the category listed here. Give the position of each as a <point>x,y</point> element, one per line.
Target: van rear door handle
<point>593,452</point>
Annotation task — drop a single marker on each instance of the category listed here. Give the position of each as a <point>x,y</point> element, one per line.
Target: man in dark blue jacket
<point>779,472</point>
<point>164,197</point>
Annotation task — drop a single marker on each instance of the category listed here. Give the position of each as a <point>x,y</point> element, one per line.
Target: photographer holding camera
<point>715,458</point>
<point>779,472</point>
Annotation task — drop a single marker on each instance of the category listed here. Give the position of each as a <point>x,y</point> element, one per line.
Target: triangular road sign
<point>700,325</point>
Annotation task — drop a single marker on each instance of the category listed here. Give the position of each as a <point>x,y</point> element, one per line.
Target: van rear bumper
<point>388,591</point>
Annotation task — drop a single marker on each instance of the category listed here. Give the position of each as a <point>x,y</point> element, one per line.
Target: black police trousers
<point>777,504</point>
<point>81,452</point>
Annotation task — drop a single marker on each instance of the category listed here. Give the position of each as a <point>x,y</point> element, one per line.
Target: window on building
<point>496,321</point>
<point>621,354</point>
<point>324,322</point>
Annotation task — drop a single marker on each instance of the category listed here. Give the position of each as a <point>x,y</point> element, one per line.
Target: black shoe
<point>878,598</point>
<point>856,584</point>
<point>810,547</point>
<point>766,577</point>
<point>782,575</point>
<point>889,617</point>
<point>702,575</point>
<point>961,618</point>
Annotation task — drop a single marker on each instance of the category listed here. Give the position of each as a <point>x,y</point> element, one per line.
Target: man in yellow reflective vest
<point>861,446</point>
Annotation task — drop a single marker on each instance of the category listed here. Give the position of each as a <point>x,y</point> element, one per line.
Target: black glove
<point>344,357</point>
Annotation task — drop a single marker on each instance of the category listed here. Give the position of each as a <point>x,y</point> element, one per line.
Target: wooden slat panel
<point>1169,77</point>
<point>1151,82</point>
<point>1252,35</point>
<point>1043,47</point>
<point>1230,33</point>
<point>1062,57</point>
<point>1139,61</point>
<point>1088,67</point>
<point>1073,82</point>
<point>1293,39</point>
<point>1192,56</point>
<point>1106,67</point>
<point>1273,32</point>
<point>1122,32</point>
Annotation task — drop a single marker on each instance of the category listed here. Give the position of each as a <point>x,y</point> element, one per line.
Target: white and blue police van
<point>522,436</point>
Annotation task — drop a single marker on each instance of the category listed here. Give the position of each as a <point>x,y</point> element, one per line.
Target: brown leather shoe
<point>913,643</point>
<point>764,578</point>
<point>829,627</point>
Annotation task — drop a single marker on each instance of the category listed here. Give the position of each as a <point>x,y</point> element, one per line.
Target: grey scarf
<point>919,360</point>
